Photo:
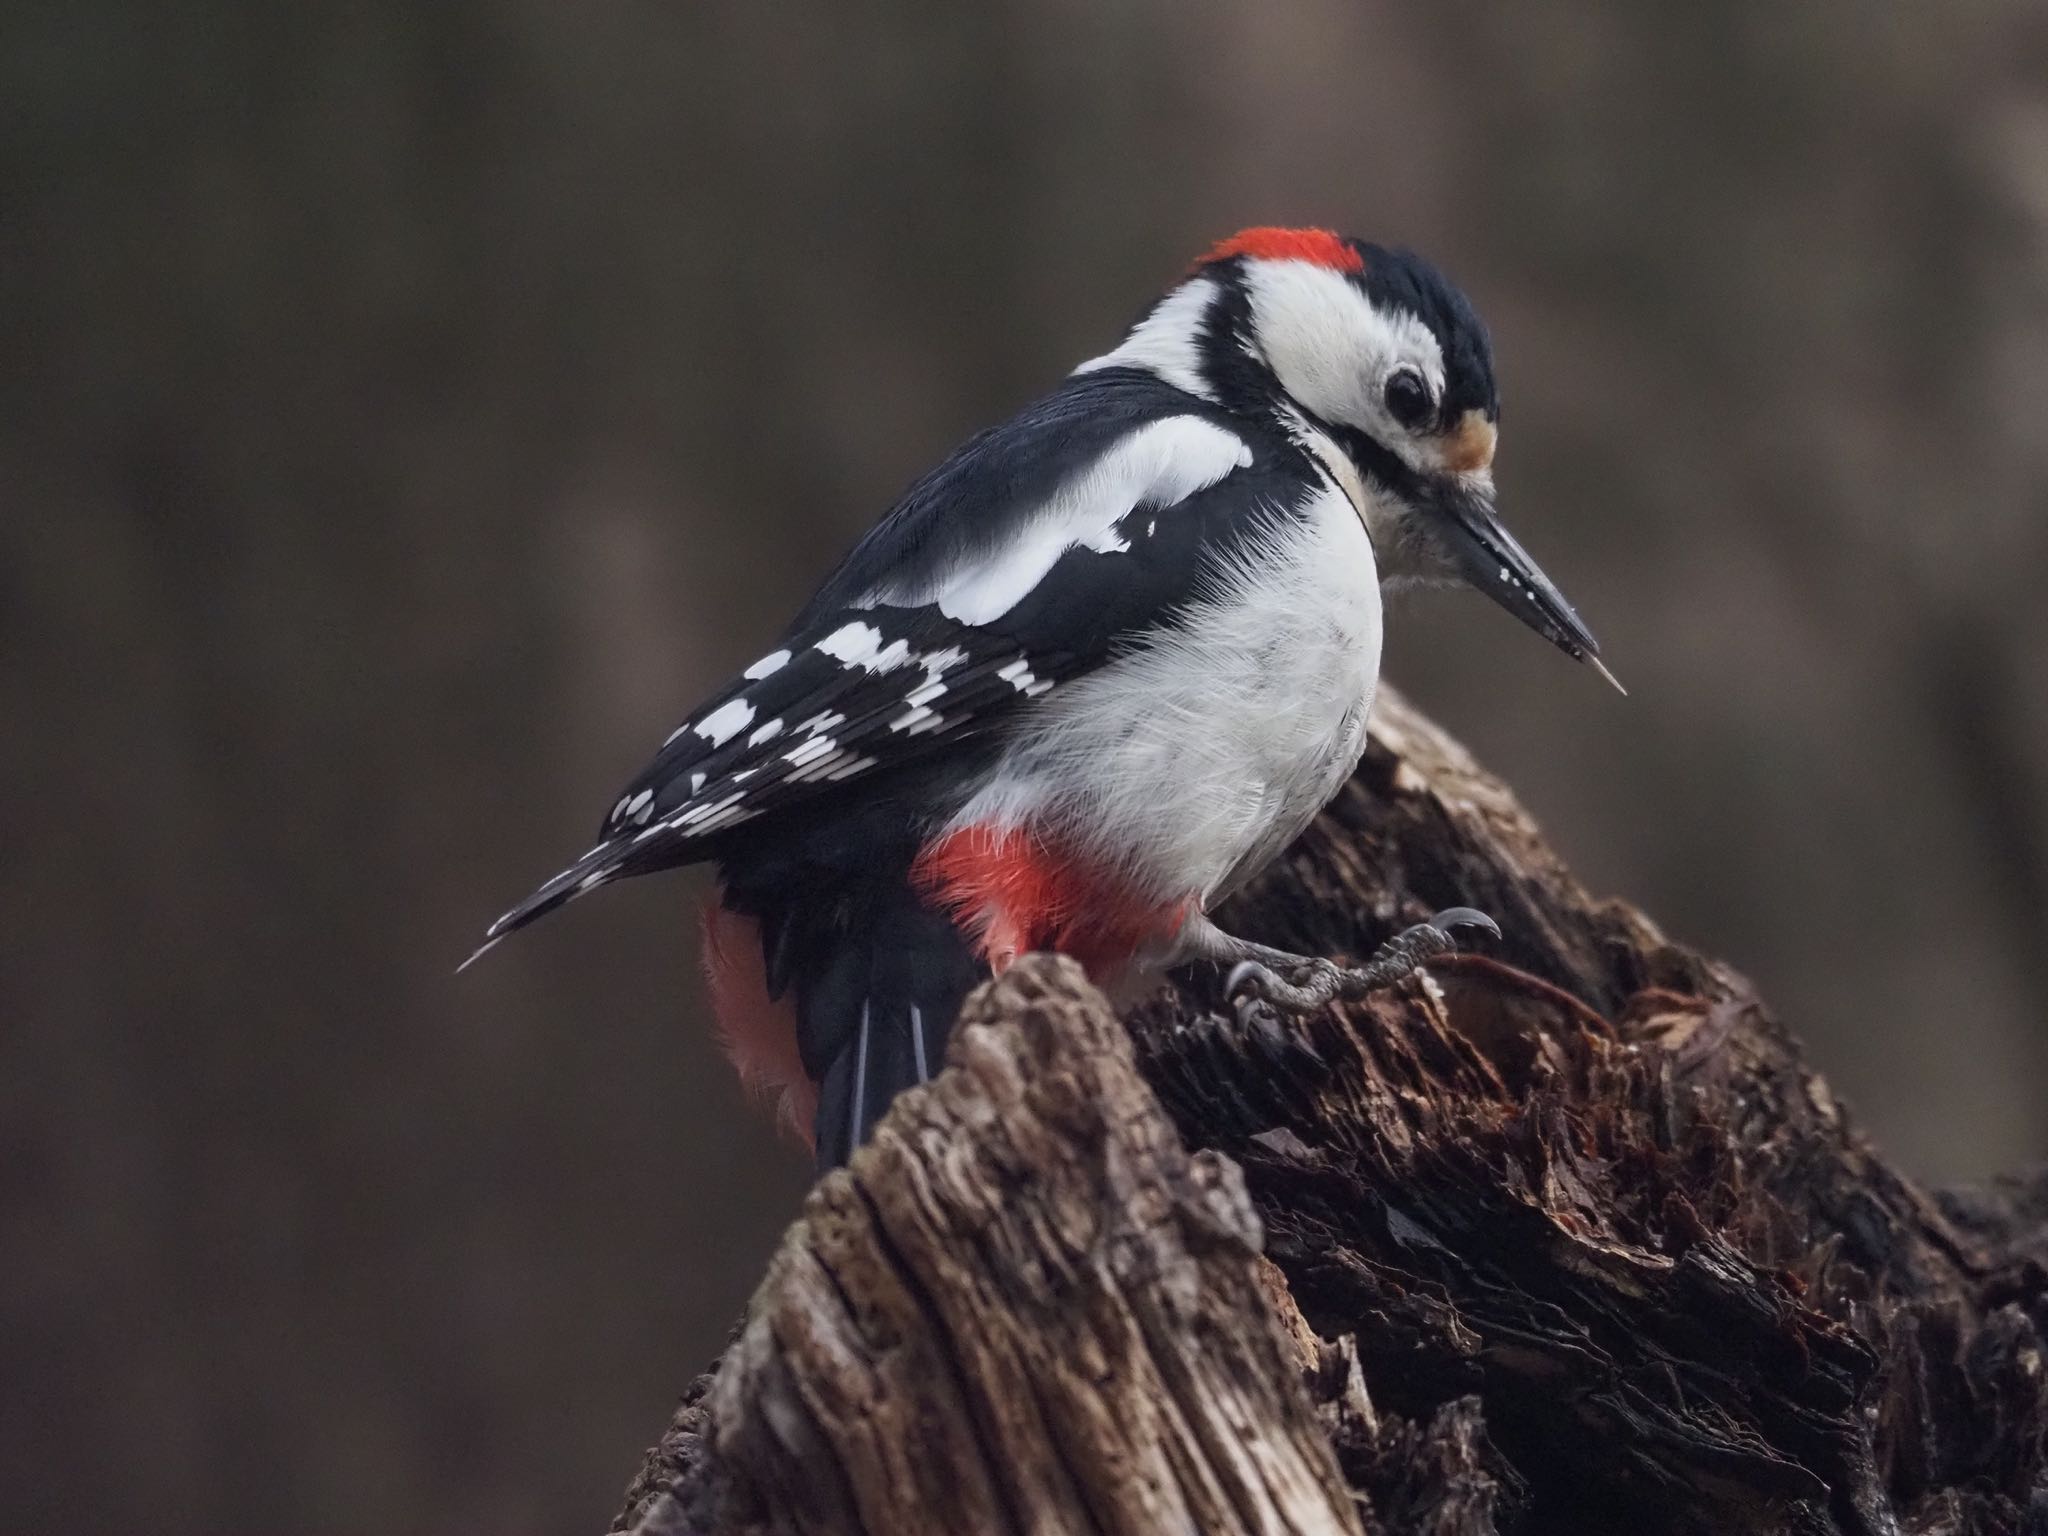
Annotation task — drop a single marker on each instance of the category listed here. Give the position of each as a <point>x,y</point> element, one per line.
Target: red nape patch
<point>1321,247</point>
<point>758,1033</point>
<point>1015,895</point>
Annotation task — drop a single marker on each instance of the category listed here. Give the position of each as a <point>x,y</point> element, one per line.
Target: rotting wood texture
<point>1567,1237</point>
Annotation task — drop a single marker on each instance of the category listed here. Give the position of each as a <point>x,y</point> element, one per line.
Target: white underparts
<point>1190,761</point>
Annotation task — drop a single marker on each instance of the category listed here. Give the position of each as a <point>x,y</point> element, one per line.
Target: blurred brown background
<point>409,410</point>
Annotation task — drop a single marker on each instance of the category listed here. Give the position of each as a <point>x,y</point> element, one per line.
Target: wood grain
<point>1565,1237</point>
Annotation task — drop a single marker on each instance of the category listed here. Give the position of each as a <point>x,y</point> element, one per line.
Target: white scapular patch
<point>1159,465</point>
<point>1168,342</point>
<point>766,733</point>
<point>1333,351</point>
<point>719,726</point>
<point>767,666</point>
<point>1191,760</point>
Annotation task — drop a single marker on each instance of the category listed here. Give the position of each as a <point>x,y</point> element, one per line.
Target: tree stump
<point>1562,1238</point>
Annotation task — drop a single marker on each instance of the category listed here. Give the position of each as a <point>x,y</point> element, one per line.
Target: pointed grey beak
<point>1491,560</point>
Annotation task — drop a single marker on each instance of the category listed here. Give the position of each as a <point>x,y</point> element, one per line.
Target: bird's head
<point>1381,368</point>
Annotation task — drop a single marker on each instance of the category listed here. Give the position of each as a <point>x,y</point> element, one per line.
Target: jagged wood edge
<point>1023,1295</point>
<point>1586,999</point>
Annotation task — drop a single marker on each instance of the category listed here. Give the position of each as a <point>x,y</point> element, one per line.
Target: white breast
<point>1193,760</point>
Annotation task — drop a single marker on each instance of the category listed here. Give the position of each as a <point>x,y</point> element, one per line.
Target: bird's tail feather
<point>613,859</point>
<point>875,1019</point>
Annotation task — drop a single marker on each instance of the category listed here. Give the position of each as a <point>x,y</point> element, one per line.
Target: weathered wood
<point>1563,1238</point>
<point>1023,1308</point>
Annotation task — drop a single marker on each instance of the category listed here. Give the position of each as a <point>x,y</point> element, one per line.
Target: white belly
<point>1191,762</point>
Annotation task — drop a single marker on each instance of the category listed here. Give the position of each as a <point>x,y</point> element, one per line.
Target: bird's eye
<point>1408,400</point>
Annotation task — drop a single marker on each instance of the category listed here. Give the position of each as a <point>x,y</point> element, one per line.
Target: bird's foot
<point>1314,982</point>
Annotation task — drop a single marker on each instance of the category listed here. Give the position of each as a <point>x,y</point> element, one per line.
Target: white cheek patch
<point>1159,465</point>
<point>1330,349</point>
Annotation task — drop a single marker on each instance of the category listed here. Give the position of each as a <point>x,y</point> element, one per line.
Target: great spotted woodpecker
<point>1087,677</point>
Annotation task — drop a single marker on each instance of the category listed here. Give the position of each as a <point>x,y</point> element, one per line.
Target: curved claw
<point>1242,972</point>
<point>1251,983</point>
<point>1314,982</point>
<point>1464,917</point>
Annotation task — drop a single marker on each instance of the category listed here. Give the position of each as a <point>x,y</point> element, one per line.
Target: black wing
<point>1024,561</point>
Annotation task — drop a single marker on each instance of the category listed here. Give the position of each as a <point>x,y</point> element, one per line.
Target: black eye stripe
<point>1381,466</point>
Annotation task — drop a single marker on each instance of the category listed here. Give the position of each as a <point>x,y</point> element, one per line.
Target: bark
<point>1565,1237</point>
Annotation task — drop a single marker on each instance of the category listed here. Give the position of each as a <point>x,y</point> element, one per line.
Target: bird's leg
<point>1261,974</point>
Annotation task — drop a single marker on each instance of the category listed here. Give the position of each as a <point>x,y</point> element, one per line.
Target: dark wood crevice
<point>1564,1237</point>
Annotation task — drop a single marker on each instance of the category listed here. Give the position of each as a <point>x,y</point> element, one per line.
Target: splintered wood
<point>1564,1238</point>
<point>1024,1307</point>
